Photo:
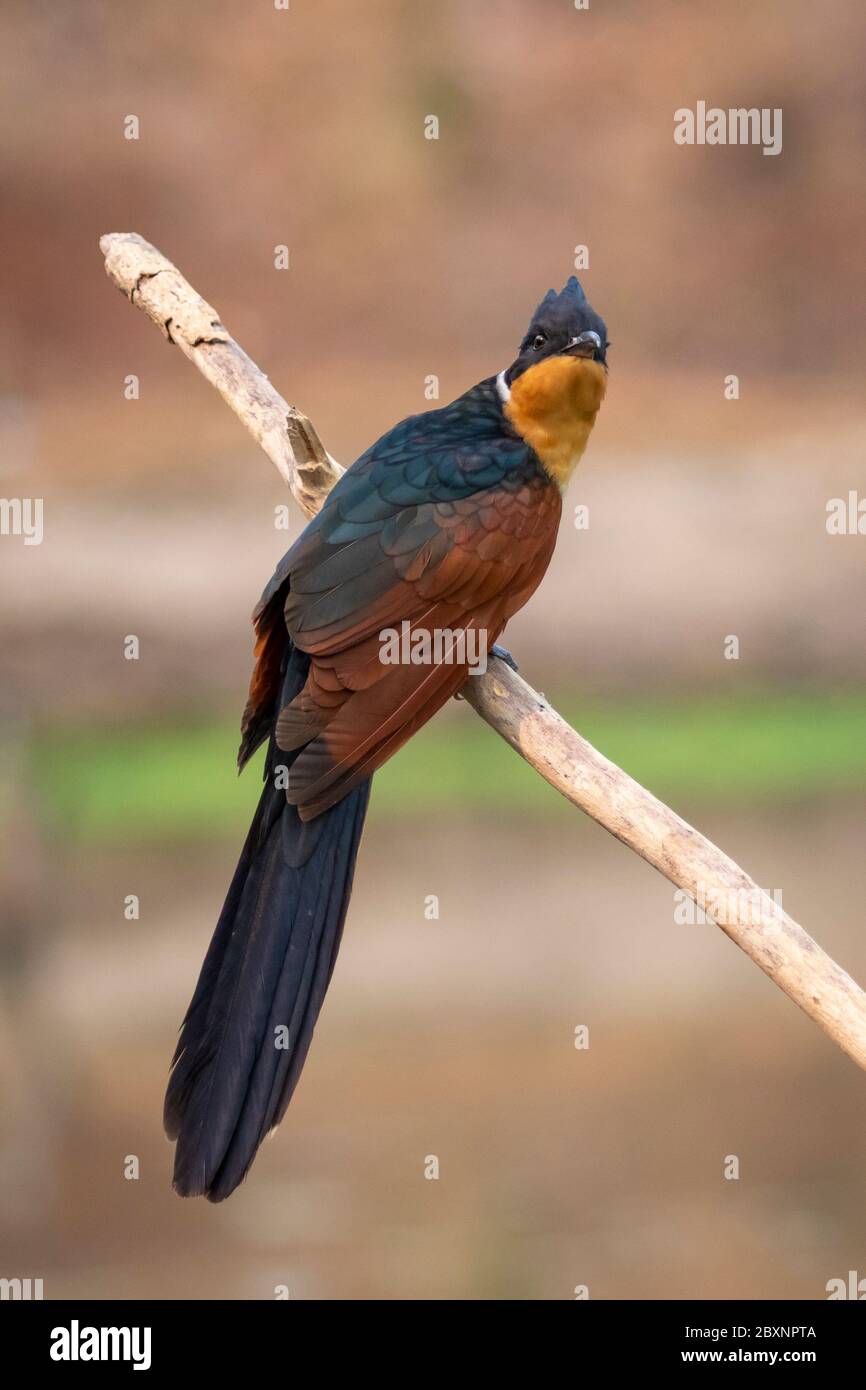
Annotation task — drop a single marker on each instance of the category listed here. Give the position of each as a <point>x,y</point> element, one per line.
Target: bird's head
<point>563,325</point>
<point>553,389</point>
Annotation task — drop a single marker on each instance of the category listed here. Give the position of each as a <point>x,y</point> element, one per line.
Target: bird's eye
<point>538,342</point>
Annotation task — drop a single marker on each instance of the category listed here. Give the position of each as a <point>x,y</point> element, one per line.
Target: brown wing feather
<point>373,723</point>
<point>488,555</point>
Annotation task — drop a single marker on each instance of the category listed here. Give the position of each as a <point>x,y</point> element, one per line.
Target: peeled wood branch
<point>782,949</point>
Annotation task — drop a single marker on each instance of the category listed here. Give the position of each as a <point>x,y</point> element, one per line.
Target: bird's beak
<point>585,345</point>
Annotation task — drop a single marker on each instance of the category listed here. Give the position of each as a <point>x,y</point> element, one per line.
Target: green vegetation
<point>161,781</point>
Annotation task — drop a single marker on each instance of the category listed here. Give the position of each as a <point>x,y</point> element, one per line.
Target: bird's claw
<point>504,655</point>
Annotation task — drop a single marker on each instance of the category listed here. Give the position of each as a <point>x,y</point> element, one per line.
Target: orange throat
<point>553,406</point>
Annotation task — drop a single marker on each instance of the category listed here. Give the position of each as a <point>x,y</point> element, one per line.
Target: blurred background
<point>412,257</point>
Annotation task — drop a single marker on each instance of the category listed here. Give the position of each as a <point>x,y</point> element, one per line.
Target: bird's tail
<point>249,1025</point>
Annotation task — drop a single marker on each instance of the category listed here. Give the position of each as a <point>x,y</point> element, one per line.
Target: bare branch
<point>286,435</point>
<point>782,949</point>
<point>749,917</point>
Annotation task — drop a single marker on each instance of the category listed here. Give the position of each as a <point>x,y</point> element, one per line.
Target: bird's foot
<point>504,655</point>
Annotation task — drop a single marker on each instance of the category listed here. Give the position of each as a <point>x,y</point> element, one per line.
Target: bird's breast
<point>553,406</point>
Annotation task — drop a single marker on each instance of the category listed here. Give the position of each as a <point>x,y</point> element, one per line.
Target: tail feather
<point>250,1022</point>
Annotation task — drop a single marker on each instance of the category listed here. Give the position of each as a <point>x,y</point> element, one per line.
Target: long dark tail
<point>249,1025</point>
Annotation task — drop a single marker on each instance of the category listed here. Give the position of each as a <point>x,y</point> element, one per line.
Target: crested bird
<point>446,524</point>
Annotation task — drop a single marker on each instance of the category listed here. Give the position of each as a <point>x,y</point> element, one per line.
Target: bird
<point>445,525</point>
